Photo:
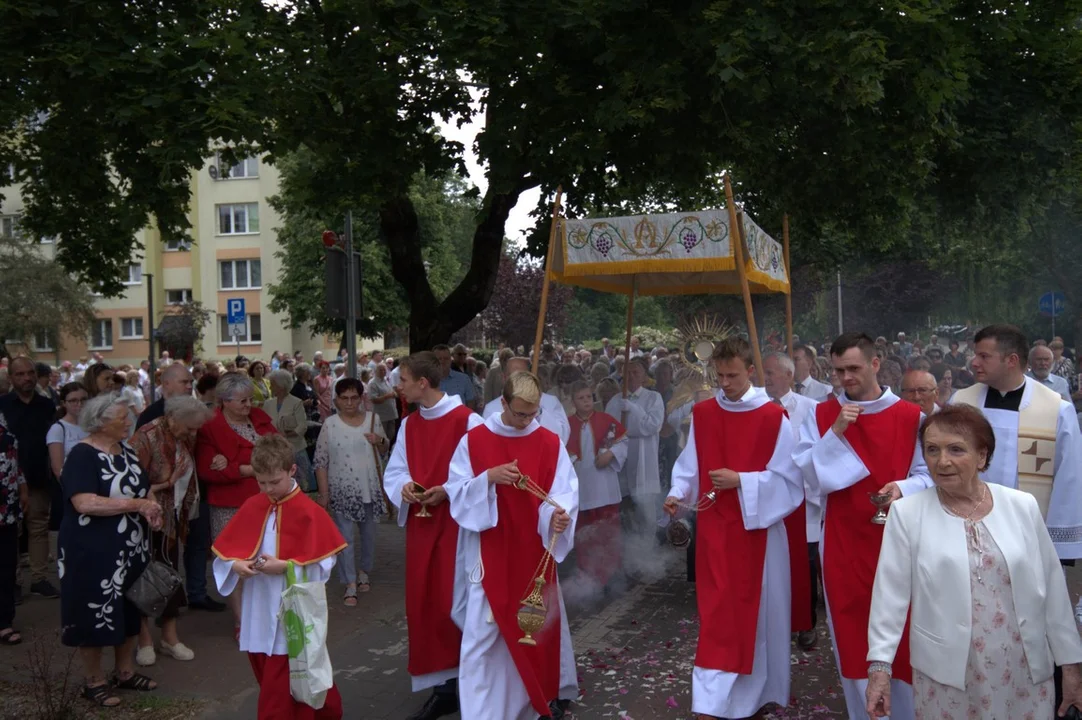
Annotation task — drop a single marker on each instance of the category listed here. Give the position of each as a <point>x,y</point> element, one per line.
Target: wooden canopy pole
<point>545,283</point>
<point>737,239</point>
<point>627,340</point>
<point>789,276</point>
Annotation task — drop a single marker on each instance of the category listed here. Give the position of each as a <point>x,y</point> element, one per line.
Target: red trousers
<point>599,542</point>
<point>275,702</point>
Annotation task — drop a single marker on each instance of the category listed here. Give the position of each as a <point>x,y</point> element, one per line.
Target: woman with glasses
<point>349,475</point>
<point>65,432</point>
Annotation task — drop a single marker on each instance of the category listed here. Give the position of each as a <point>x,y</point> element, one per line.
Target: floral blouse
<point>168,462</point>
<point>11,477</point>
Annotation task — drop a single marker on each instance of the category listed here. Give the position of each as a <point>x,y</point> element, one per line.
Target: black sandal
<point>100,696</point>
<point>135,682</point>
<point>11,637</point>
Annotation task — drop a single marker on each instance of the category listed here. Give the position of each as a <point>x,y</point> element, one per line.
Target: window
<point>131,328</point>
<point>242,219</point>
<point>135,275</point>
<point>246,168</point>
<point>48,240</point>
<point>9,227</point>
<point>253,332</point>
<point>178,297</point>
<point>241,274</point>
<point>178,245</point>
<point>101,334</point>
<point>43,341</point>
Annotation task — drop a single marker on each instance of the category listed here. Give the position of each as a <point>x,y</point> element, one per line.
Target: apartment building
<point>232,256</point>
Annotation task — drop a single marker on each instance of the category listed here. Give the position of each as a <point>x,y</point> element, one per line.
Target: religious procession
<point>507,361</point>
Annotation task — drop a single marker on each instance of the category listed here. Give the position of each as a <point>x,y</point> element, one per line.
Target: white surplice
<point>395,477</point>
<point>492,687</point>
<point>598,487</point>
<point>766,498</point>
<point>799,407</point>
<point>1065,506</point>
<point>553,417</point>
<point>261,630</point>
<point>645,416</point>
<point>830,463</point>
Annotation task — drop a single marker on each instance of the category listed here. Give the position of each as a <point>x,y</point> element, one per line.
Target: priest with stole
<point>737,469</point>
<point>500,477</point>
<point>426,441</point>
<point>857,444</point>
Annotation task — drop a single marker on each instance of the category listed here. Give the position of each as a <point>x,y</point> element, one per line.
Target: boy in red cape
<point>504,536</point>
<point>422,454</point>
<point>598,447</point>
<point>740,447</point>
<point>279,525</point>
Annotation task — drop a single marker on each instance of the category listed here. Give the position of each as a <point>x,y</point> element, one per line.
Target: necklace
<point>972,529</point>
<point>972,510</point>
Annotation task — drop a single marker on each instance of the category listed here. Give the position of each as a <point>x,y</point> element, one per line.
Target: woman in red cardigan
<point>223,456</point>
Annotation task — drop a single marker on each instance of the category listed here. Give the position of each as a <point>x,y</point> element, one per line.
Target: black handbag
<point>154,589</point>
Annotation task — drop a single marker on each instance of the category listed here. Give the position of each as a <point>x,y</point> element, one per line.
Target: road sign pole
<point>351,300</point>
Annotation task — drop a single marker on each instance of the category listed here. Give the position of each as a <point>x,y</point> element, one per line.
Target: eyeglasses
<point>349,398</point>
<point>918,391</point>
<point>524,416</point>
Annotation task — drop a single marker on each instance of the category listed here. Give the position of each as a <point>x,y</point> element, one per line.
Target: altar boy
<point>279,525</point>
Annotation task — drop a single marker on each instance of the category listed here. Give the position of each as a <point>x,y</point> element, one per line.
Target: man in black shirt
<point>29,416</point>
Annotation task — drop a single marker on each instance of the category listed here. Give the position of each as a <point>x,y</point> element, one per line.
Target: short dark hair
<point>847,341</point>
<point>1010,340</point>
<point>440,347</point>
<point>939,371</point>
<point>964,420</point>
<point>68,388</point>
<point>42,370</point>
<point>346,384</point>
<point>806,349</point>
<point>954,342</point>
<point>206,383</point>
<point>734,348</point>
<point>424,365</point>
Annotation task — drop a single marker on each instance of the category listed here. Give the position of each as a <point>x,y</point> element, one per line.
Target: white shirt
<point>799,407</point>
<point>1054,382</point>
<point>812,388</point>
<point>553,416</point>
<point>645,416</point>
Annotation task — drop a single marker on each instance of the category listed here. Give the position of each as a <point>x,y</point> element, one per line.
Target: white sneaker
<point>180,651</point>
<point>145,656</point>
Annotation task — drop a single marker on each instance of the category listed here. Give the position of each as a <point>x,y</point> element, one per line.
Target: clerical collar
<point>293,492</point>
<point>1010,400</point>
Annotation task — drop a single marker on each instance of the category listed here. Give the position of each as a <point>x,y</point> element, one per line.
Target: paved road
<point>635,652</point>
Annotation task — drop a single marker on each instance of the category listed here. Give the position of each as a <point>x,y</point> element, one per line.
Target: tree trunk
<point>432,322</point>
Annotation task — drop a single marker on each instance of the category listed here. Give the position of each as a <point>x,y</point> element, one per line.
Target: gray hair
<point>304,368</point>
<point>96,411</point>
<point>186,409</point>
<point>784,361</point>
<point>280,380</point>
<point>232,384</point>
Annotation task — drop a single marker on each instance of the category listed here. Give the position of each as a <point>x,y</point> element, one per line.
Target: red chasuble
<point>512,551</point>
<point>800,579</point>
<point>600,426</point>
<point>431,545</point>
<point>728,558</point>
<point>884,442</point>
<point>306,533</point>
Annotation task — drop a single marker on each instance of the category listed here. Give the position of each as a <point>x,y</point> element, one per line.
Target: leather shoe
<point>436,707</point>
<point>208,603</point>
<point>806,639</point>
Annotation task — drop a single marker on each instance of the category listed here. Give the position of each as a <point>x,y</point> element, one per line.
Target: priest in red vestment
<point>422,454</point>
<point>598,447</point>
<point>740,447</point>
<point>506,534</point>
<point>859,443</point>
<point>279,525</point>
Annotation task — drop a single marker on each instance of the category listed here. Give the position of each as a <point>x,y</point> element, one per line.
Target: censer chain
<point>701,504</point>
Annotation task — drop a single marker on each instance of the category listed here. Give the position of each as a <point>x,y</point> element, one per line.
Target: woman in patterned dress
<point>14,500</point>
<point>974,568</point>
<point>104,546</point>
<point>348,473</point>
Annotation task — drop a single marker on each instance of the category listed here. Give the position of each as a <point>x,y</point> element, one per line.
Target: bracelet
<point>883,667</point>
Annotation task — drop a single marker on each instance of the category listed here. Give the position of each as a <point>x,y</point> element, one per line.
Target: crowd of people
<point>501,472</point>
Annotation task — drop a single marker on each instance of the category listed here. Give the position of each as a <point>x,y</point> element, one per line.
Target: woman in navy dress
<point>104,545</point>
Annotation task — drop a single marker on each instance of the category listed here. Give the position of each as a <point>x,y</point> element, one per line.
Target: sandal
<point>135,681</point>
<point>363,587</point>
<point>100,696</point>
<point>11,637</point>
<point>350,598</point>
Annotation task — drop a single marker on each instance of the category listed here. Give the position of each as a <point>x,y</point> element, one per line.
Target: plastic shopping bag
<point>304,614</point>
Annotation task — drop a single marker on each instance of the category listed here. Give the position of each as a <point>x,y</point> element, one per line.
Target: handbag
<point>155,587</point>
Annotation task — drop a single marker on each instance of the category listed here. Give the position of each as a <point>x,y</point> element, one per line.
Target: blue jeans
<point>196,551</point>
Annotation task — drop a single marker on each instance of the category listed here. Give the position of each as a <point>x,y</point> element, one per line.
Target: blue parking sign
<point>235,311</point>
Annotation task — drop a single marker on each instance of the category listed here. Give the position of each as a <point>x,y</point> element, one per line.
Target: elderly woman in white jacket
<point>973,566</point>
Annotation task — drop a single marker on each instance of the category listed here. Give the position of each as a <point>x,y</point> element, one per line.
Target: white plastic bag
<point>304,615</point>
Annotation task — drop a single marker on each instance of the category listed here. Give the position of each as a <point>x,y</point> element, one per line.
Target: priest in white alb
<point>642,412</point>
<point>499,475</point>
<point>552,417</point>
<point>856,444</point>
<point>740,450</point>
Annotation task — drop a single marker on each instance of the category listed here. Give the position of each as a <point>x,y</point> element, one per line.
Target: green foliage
<point>185,330</point>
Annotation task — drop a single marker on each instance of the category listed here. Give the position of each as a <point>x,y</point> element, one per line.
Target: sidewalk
<point>635,653</point>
